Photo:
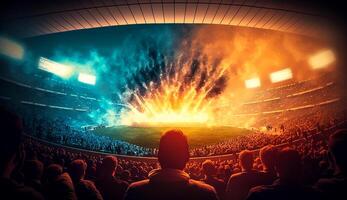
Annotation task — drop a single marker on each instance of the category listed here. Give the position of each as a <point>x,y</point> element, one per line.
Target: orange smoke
<point>224,51</point>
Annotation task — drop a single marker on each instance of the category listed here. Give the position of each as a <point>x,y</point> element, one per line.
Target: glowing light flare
<point>322,59</point>
<point>167,108</point>
<point>281,75</point>
<point>166,118</point>
<point>11,49</point>
<point>87,78</point>
<point>252,83</point>
<point>61,70</point>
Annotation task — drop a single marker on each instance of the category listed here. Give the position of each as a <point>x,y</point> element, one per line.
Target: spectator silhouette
<point>240,183</point>
<point>33,170</point>
<point>210,178</point>
<point>58,185</point>
<point>267,156</point>
<point>125,175</point>
<point>288,186</point>
<point>171,182</point>
<point>85,189</point>
<point>335,187</point>
<point>109,186</point>
<point>12,157</point>
<point>91,170</point>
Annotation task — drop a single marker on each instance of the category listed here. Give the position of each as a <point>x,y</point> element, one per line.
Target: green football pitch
<point>149,136</point>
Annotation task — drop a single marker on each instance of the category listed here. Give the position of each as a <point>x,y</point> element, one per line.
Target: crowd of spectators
<point>280,127</point>
<point>291,158</point>
<point>59,131</point>
<point>278,130</point>
<point>311,168</point>
<point>286,129</point>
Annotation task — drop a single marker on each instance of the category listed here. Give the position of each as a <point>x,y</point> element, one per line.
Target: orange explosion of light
<point>175,101</point>
<point>243,54</point>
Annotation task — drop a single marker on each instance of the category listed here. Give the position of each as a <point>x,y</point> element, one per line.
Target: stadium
<point>251,90</point>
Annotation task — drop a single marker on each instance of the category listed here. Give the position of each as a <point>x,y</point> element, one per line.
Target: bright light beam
<point>322,59</point>
<point>61,70</point>
<point>11,49</point>
<point>87,78</point>
<point>281,75</point>
<point>252,83</point>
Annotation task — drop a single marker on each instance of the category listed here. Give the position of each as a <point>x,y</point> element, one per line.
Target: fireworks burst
<point>185,93</point>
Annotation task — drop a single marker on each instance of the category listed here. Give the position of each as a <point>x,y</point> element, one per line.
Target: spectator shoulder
<point>258,192</point>
<point>202,186</point>
<point>258,189</point>
<point>135,189</point>
<point>139,184</point>
<point>89,184</point>
<point>325,183</point>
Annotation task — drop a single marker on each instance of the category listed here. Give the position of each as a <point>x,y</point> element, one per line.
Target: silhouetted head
<point>208,168</point>
<point>125,175</point>
<point>267,156</point>
<point>77,169</point>
<point>33,169</point>
<point>109,165</point>
<point>246,160</point>
<point>10,143</point>
<point>53,171</point>
<point>173,150</point>
<point>288,164</point>
<point>338,148</point>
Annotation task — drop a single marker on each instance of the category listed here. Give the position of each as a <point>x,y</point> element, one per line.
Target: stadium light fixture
<point>87,78</point>
<point>252,83</point>
<point>281,75</point>
<point>322,59</point>
<point>11,49</point>
<point>59,69</point>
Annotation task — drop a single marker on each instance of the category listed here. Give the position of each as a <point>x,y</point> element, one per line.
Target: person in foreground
<point>210,178</point>
<point>85,189</point>
<point>109,186</point>
<point>58,184</point>
<point>335,187</point>
<point>11,158</point>
<point>171,182</point>
<point>239,184</point>
<point>289,185</point>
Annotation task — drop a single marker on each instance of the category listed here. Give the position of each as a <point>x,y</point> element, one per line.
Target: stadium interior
<point>98,80</point>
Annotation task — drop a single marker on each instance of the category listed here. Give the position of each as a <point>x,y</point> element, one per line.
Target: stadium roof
<point>46,17</point>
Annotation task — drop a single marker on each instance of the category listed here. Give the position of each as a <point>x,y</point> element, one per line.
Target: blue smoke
<point>123,59</point>
<point>134,61</point>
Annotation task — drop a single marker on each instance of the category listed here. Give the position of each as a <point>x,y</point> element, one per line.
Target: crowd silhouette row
<point>300,125</point>
<point>313,167</point>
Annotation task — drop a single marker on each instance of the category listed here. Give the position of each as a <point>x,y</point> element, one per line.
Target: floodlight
<point>87,78</point>
<point>281,75</point>
<point>322,59</point>
<point>11,49</point>
<point>59,69</point>
<point>252,83</point>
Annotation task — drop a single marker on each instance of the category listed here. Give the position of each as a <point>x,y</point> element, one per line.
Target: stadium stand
<point>66,160</point>
<point>298,109</point>
<point>312,148</point>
